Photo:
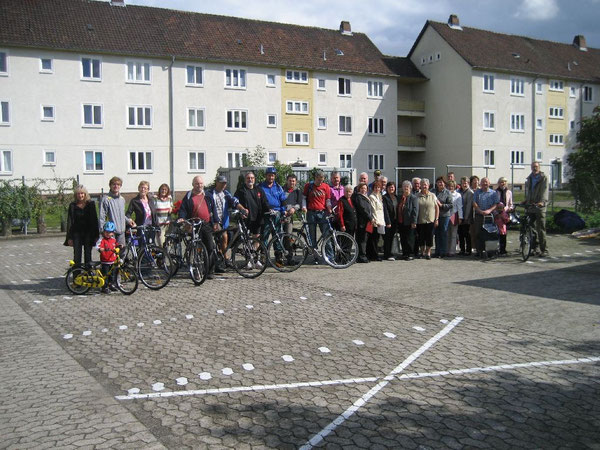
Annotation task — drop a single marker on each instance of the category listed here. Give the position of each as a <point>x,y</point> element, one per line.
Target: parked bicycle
<point>336,248</point>
<point>285,251</point>
<point>80,279</point>
<point>186,249</point>
<point>247,254</point>
<point>153,263</point>
<point>527,235</point>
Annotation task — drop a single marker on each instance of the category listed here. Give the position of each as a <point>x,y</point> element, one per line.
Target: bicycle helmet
<point>110,227</point>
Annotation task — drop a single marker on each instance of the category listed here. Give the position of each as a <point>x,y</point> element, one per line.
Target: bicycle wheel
<point>74,279</point>
<point>286,252</point>
<point>154,267</point>
<point>170,246</point>
<point>339,250</point>
<point>127,279</point>
<point>526,239</point>
<point>198,260</point>
<point>249,259</point>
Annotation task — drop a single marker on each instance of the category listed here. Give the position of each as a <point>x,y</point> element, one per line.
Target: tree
<point>584,163</point>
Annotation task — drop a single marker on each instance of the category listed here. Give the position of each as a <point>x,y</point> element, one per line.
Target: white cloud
<point>539,10</point>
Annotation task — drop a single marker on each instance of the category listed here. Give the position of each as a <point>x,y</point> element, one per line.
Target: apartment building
<point>100,88</point>
<point>501,101</point>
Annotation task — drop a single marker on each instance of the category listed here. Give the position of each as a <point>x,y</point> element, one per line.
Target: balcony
<point>411,108</point>
<point>411,143</point>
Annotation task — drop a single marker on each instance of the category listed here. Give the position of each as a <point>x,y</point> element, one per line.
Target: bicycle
<point>248,253</point>
<point>527,235</point>
<point>152,263</point>
<point>195,255</point>
<point>337,248</point>
<point>80,279</point>
<point>292,247</point>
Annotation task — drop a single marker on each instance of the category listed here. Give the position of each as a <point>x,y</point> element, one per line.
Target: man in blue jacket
<point>276,199</point>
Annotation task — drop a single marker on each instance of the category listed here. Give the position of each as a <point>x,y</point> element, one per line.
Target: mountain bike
<point>185,247</point>
<point>336,248</point>
<point>153,263</point>
<point>285,251</point>
<point>527,235</point>
<point>80,279</point>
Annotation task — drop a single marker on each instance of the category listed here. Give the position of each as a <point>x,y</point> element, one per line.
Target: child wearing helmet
<point>107,246</point>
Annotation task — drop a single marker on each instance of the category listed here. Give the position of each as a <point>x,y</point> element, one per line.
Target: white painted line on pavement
<point>316,439</point>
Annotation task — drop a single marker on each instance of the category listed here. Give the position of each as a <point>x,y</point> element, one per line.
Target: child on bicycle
<point>108,256</point>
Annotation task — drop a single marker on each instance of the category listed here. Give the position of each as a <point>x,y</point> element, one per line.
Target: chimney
<point>345,28</point>
<point>453,22</point>
<point>117,2</point>
<point>579,42</point>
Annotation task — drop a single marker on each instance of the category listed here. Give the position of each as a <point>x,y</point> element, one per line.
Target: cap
<point>271,170</point>
<point>377,172</point>
<point>221,179</point>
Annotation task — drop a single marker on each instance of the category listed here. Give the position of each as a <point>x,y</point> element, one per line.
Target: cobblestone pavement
<point>423,354</point>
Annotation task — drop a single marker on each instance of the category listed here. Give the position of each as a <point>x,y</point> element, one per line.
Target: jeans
<point>313,218</point>
<point>271,228</point>
<point>441,236</point>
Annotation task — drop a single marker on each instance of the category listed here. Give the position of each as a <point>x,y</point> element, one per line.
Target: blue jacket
<point>275,196</point>
<point>230,202</point>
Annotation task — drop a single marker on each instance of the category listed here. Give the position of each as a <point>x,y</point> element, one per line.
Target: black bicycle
<point>152,263</point>
<point>527,235</point>
<point>186,249</point>
<point>285,251</point>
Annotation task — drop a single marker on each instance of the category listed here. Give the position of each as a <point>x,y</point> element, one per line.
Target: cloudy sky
<point>393,25</point>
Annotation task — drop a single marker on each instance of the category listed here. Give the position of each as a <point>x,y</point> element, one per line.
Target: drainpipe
<point>171,139</point>
<point>533,118</point>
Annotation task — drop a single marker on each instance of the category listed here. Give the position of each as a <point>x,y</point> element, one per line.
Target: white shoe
<point>258,265</point>
<point>391,258</point>
<point>249,266</point>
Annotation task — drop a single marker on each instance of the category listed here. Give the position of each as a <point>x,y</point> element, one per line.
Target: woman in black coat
<point>142,207</point>
<point>390,205</point>
<point>82,225</point>
<point>408,211</point>
<point>364,218</point>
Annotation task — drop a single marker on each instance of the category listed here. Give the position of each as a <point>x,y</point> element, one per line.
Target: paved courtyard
<point>424,354</point>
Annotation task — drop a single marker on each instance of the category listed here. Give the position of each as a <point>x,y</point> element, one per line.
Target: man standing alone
<point>536,198</point>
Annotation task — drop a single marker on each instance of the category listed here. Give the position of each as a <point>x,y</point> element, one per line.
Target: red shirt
<point>107,247</point>
<point>200,209</point>
<point>317,196</point>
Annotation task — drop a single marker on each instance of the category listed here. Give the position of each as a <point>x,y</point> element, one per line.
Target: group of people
<point>451,215</point>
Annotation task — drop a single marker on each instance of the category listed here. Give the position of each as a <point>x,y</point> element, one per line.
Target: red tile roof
<point>99,27</point>
<point>496,51</point>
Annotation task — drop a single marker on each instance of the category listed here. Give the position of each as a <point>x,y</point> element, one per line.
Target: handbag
<point>396,244</point>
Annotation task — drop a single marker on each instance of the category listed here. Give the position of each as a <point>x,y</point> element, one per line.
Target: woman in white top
<point>164,205</point>
<point>376,200</point>
<point>456,217</point>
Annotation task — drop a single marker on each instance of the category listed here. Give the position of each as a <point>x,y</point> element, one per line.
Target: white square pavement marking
<point>287,358</point>
<point>358,342</point>
<point>324,350</point>
<point>227,371</point>
<point>182,381</point>
<point>189,316</point>
<point>390,335</point>
<point>248,366</point>
<point>419,328</point>
<point>157,387</point>
<point>205,376</point>
<point>86,333</point>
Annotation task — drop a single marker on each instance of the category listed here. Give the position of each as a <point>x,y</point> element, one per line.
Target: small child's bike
<point>80,278</point>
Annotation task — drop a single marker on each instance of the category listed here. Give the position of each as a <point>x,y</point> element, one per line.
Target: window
<point>297,138</point>
<point>345,125</point>
<point>572,92</point>
<point>196,162</point>
<point>588,93</point>
<point>235,78</point>
<point>517,86</point>
<point>195,119</point>
<point>488,158</point>
<point>272,157</point>
<point>139,117</point>
<point>375,125</point>
<point>556,112</point>
<point>423,60</point>
<point>556,85</point>
<point>344,86</point>
<point>438,56</point>
<point>539,87</point>
<point>375,162</point>
<point>375,89</point>
<point>296,76</point>
<point>538,155</point>
<point>138,72</point>
<point>140,161</point>
<point>92,115</point>
<point>489,120</point>
<point>321,84</point>
<point>6,162</point>
<point>488,82</point>
<point>539,124</point>
<point>47,113</point>
<point>517,122</point>
<point>94,161</point>
<point>235,159</point>
<point>572,125</point>
<point>91,69</point>
<point>556,139</point>
<point>270,80</point>
<point>237,120</point>
<point>345,160</point>
<point>296,107</point>
<point>272,120</point>
<point>4,113</point>
<point>46,65</point>
<point>517,157</point>
<point>49,158</point>
<point>322,159</point>
<point>322,123</point>
<point>3,63</point>
<point>194,76</point>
